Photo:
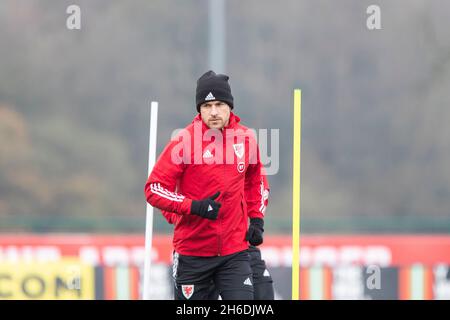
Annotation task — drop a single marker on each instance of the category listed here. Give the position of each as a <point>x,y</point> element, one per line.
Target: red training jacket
<point>173,218</point>
<point>196,164</point>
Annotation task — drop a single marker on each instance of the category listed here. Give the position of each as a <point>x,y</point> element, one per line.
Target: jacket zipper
<point>223,196</point>
<point>220,220</point>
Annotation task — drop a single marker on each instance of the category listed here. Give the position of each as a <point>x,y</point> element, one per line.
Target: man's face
<point>215,114</point>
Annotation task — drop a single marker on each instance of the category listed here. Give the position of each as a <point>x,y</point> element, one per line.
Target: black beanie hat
<point>212,86</point>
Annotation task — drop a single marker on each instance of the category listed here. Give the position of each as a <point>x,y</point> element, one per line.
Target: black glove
<point>255,231</point>
<point>206,208</point>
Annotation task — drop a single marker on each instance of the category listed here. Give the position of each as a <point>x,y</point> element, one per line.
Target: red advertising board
<point>126,249</point>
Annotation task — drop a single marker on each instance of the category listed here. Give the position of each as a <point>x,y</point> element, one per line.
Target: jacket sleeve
<point>255,189</point>
<point>265,190</point>
<point>161,184</point>
<point>172,218</point>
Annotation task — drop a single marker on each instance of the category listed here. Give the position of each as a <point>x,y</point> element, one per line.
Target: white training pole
<point>149,215</point>
<point>217,36</point>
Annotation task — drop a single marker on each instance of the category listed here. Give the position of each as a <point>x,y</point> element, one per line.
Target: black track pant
<point>262,280</point>
<point>231,275</point>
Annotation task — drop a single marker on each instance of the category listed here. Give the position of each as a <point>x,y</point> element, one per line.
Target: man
<point>210,175</point>
<point>262,280</point>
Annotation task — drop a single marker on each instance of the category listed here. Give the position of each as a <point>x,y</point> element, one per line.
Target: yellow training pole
<point>296,193</point>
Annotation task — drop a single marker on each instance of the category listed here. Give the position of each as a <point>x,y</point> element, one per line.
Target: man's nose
<point>214,110</point>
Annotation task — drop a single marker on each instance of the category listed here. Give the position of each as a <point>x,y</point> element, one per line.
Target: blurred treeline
<point>74,107</point>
